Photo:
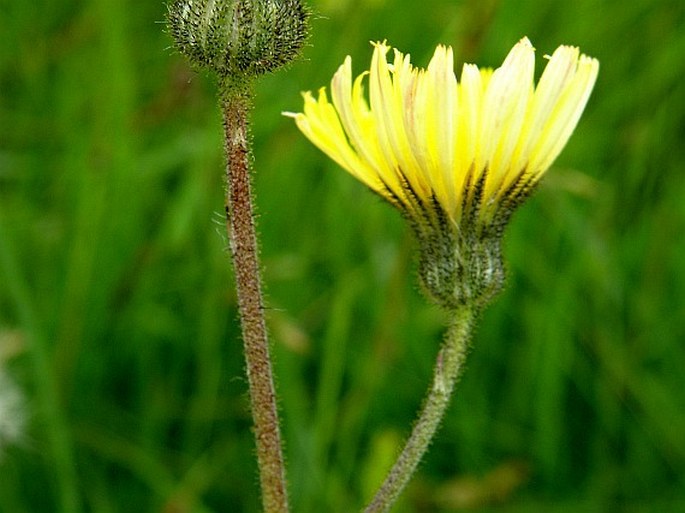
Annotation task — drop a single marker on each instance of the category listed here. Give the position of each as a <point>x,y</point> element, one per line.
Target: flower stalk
<point>448,367</point>
<point>240,40</point>
<point>243,241</point>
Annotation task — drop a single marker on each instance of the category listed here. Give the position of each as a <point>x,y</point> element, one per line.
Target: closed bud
<point>239,38</point>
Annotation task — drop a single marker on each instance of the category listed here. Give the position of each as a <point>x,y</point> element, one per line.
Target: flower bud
<point>239,38</point>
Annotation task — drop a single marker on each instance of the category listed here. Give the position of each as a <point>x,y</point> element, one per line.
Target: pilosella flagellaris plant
<point>456,157</point>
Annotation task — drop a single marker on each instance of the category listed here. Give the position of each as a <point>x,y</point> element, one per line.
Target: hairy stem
<point>241,230</point>
<point>447,370</point>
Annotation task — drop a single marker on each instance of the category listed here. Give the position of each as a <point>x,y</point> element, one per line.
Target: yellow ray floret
<point>423,136</point>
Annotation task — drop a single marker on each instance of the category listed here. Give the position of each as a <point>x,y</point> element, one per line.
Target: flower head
<point>455,156</point>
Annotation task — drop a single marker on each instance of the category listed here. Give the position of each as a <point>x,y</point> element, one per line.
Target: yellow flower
<point>456,157</point>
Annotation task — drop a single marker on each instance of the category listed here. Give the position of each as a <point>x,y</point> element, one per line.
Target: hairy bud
<point>239,38</point>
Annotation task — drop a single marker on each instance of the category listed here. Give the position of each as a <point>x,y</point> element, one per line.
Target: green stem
<point>447,370</point>
<point>241,230</point>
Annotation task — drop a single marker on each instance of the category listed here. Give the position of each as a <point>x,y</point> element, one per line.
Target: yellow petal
<point>386,101</point>
<point>441,121</point>
<point>503,114</point>
<point>560,119</point>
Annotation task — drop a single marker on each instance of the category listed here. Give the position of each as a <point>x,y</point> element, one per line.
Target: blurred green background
<point>118,318</point>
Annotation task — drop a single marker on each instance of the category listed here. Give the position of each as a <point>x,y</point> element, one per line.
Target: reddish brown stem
<point>243,240</point>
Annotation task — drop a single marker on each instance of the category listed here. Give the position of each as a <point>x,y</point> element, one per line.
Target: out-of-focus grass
<point>114,277</point>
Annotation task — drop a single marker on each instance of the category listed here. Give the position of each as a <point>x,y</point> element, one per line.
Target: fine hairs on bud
<point>239,38</point>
